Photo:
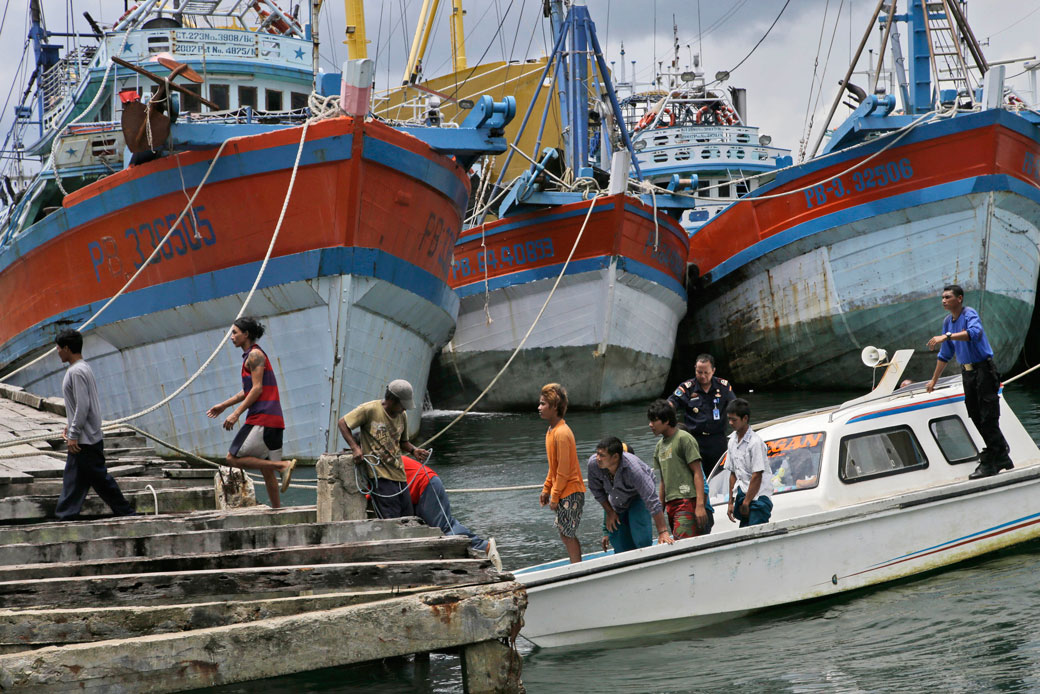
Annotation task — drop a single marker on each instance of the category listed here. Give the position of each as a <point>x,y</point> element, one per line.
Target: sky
<point>779,74</point>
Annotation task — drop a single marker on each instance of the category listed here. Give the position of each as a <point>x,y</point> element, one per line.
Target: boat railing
<point>717,154</point>
<point>899,393</point>
<point>59,85</point>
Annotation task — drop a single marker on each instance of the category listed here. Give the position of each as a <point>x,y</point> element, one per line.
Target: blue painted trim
<point>922,133</point>
<point>417,166</point>
<point>576,267</point>
<point>914,198</point>
<point>599,207</point>
<point>324,262</point>
<point>909,408</point>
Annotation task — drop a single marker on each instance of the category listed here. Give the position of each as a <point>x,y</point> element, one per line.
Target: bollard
<point>338,495</point>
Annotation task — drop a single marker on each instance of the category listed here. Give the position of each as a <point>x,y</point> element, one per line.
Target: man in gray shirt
<point>624,486</point>
<point>85,464</point>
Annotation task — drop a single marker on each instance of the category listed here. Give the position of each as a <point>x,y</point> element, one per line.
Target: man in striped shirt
<point>258,444</point>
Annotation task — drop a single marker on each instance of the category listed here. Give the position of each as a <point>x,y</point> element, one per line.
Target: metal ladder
<point>944,43</point>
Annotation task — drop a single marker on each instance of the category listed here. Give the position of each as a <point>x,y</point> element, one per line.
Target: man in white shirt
<point>748,468</point>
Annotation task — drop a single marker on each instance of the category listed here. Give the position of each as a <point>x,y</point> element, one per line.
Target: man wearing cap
<point>384,435</point>
<point>701,404</point>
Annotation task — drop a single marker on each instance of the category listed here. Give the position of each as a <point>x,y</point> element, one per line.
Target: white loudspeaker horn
<point>872,356</point>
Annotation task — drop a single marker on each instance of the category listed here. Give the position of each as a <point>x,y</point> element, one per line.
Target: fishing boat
<point>212,99</point>
<point>581,275</point>
<point>682,126</point>
<point>853,246</point>
<point>866,492</point>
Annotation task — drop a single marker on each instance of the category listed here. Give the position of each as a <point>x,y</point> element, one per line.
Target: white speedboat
<point>869,491</point>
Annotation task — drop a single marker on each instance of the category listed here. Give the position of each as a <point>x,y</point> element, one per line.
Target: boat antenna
<point>700,32</point>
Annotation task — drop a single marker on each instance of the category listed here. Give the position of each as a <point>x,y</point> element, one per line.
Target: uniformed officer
<point>701,402</point>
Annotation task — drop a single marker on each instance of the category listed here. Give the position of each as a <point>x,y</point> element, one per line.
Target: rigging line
<point>1016,22</point>
<point>3,21</point>
<point>472,30</point>
<point>781,14</point>
<point>498,33</point>
<point>725,18</point>
<point>816,65</point>
<point>823,75</point>
<point>483,55</point>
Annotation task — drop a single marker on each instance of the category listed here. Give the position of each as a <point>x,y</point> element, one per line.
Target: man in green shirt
<point>677,460</point>
<point>384,434</point>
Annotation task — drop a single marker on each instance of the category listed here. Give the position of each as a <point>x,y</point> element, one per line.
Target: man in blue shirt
<point>964,338</point>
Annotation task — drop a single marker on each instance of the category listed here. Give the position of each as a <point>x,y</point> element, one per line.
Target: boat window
<point>273,100</point>
<point>794,462</point>
<point>297,100</point>
<point>247,97</point>
<point>704,187</point>
<point>879,453</point>
<point>953,439</point>
<point>724,191</point>
<point>742,188</point>
<point>190,104</point>
<point>220,94</point>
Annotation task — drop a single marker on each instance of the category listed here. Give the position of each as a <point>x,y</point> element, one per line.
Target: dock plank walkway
<point>196,597</point>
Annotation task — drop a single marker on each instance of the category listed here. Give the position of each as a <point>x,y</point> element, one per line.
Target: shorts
<point>682,520</point>
<point>568,514</point>
<point>257,441</point>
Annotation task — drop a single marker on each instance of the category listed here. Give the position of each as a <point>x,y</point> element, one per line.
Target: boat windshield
<point>794,461</point>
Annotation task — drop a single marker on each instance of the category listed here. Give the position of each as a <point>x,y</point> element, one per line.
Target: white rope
<point>155,499</point>
<point>140,270</point>
<point>523,341</point>
<point>100,92</point>
<point>227,334</point>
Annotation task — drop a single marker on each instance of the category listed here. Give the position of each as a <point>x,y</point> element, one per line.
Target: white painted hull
<point>334,343</point>
<point>802,312</point>
<point>607,335</point>
<point>702,581</point>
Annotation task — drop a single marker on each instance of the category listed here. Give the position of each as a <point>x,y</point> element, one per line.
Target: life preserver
<point>649,116</point>
<point>278,25</point>
<point>700,114</point>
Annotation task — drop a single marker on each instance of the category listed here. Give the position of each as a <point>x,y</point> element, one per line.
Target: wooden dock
<point>180,601</point>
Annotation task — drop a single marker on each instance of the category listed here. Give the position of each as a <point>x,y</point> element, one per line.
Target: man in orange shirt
<point>564,490</point>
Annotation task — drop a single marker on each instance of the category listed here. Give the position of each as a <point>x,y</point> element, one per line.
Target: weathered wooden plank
<point>25,508</point>
<point>410,549</point>
<point>52,487</point>
<point>21,629</point>
<point>190,472</point>
<point>230,584</point>
<point>139,526</point>
<point>37,465</point>
<point>9,475</point>
<point>270,647</point>
<point>175,543</point>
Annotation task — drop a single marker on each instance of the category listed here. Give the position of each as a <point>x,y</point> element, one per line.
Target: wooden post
<point>339,497</point>
<point>490,667</point>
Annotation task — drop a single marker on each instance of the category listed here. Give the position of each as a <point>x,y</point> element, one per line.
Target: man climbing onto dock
<point>964,337</point>
<point>384,434</point>
<point>258,444</point>
<point>85,464</point>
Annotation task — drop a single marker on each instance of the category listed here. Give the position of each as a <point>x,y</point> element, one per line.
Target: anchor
<point>144,125</point>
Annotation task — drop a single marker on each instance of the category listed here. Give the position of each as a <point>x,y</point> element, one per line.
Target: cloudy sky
<point>778,75</point>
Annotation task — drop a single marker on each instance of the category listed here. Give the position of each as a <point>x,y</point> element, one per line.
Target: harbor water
<point>971,628</point>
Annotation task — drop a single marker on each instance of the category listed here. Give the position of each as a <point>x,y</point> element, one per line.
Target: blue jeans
<point>635,528</point>
<point>759,510</point>
<point>435,510</point>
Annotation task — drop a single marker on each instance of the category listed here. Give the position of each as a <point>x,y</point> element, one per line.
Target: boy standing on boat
<point>677,460</point>
<point>964,338</point>
<point>624,486</point>
<point>702,402</point>
<point>564,490</point>
<point>258,444</point>
<point>748,468</point>
<point>384,434</point>
<point>85,462</point>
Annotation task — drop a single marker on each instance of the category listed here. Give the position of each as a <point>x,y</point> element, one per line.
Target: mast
<point>357,44</point>
<point>458,38</point>
<point>315,23</point>
<point>413,69</point>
